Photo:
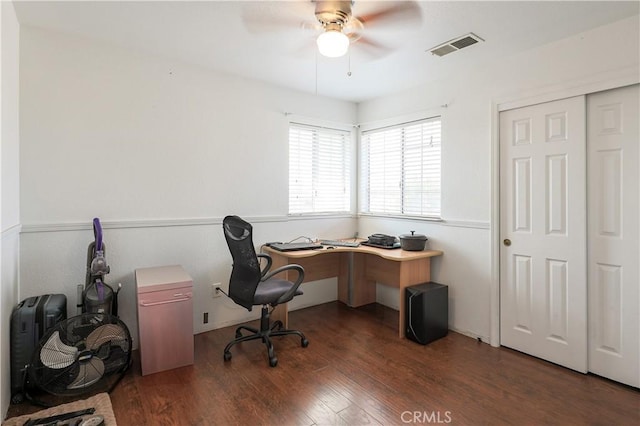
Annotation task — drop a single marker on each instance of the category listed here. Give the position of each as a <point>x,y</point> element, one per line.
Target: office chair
<point>250,286</point>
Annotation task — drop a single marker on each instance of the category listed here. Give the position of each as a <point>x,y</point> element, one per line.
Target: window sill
<point>400,216</point>
<point>306,216</point>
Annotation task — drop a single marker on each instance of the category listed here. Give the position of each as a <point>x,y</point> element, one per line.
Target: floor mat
<point>101,402</point>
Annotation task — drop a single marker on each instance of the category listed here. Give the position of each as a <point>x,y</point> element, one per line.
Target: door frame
<point>611,80</point>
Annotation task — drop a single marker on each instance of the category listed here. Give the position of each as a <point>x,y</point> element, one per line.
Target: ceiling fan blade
<point>269,16</point>
<point>260,26</point>
<point>89,372</point>
<point>374,47</point>
<point>306,50</point>
<point>405,13</point>
<point>106,333</point>
<point>56,354</point>
<point>366,50</point>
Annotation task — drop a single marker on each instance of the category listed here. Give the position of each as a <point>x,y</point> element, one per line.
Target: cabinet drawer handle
<point>163,302</point>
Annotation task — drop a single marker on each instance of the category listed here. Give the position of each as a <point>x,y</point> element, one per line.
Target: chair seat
<point>269,291</point>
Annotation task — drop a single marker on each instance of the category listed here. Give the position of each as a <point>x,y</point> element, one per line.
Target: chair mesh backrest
<point>246,272</point>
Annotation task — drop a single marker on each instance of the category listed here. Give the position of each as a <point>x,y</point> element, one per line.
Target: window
<point>400,169</point>
<point>319,170</point>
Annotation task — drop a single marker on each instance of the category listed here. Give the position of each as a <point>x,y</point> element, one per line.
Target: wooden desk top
<point>398,255</point>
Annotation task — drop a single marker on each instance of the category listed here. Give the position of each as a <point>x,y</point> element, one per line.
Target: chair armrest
<point>296,284</point>
<point>268,266</point>
<point>284,268</point>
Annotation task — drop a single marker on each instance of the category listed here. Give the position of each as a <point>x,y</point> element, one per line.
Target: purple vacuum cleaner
<point>97,296</point>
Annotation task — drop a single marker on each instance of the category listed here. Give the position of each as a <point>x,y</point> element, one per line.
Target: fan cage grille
<point>94,352</point>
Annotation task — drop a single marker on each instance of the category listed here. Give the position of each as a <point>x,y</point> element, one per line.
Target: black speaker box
<point>427,312</point>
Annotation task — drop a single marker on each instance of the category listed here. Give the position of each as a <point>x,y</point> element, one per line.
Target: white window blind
<point>319,170</point>
<point>400,169</point>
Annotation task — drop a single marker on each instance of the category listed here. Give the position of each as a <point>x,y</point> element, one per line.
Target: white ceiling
<point>231,36</point>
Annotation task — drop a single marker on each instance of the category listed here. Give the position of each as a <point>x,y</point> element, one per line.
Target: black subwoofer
<point>427,312</point>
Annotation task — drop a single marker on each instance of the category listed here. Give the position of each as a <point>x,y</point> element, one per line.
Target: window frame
<point>364,201</point>
<point>348,165</point>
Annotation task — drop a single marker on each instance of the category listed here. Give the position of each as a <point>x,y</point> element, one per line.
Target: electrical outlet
<point>216,287</point>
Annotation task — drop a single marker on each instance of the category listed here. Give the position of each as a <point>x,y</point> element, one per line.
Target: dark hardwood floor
<point>356,371</point>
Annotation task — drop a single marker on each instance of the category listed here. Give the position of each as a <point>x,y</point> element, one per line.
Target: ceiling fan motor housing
<point>333,12</point>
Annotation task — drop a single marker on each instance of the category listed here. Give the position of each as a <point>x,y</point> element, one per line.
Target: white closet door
<point>614,279</point>
<point>543,291</point>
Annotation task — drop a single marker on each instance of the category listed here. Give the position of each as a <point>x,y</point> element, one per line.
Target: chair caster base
<point>265,333</point>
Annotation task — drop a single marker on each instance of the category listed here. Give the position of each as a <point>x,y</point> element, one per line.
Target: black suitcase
<point>30,320</point>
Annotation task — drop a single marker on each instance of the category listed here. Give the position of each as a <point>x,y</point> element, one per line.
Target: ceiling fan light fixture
<point>333,43</point>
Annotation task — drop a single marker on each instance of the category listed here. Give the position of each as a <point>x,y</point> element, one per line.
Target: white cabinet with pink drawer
<point>165,318</point>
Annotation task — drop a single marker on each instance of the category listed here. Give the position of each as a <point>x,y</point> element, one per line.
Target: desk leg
<point>363,289</point>
<point>325,265</point>
<point>396,274</point>
<point>344,278</point>
<point>402,320</point>
<point>281,312</point>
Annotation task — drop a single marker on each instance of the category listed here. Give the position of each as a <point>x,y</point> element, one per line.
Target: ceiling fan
<point>336,24</point>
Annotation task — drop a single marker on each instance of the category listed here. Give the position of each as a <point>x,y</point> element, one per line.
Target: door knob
<point>507,242</point>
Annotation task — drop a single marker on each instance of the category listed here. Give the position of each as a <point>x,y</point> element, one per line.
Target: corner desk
<point>357,269</point>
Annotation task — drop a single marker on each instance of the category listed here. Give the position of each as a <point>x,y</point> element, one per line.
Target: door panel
<point>614,278</point>
<point>543,293</point>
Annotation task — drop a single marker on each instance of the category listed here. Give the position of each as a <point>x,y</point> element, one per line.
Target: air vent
<point>455,44</point>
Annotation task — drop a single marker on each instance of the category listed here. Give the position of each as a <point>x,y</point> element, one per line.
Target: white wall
<point>468,131</point>
<point>161,151</point>
<point>132,136</point>
<point>9,189</point>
